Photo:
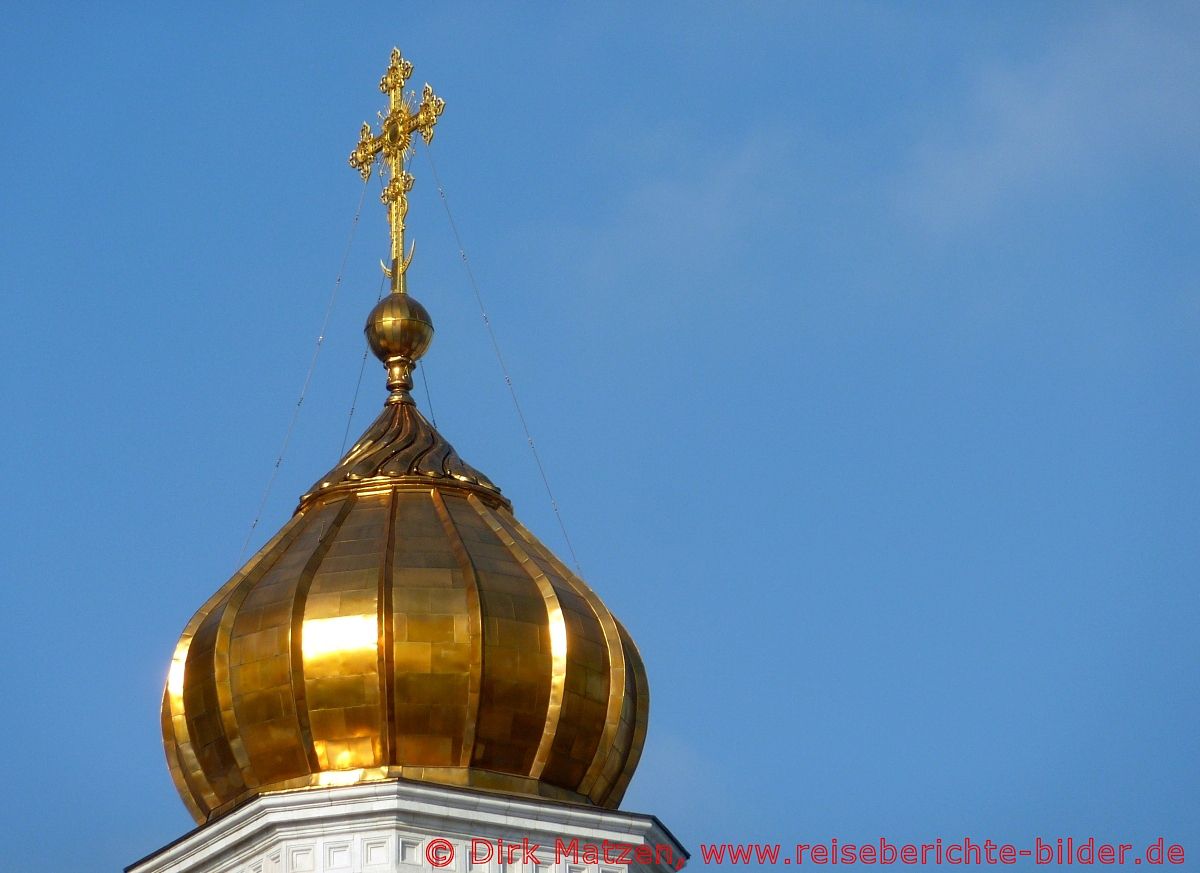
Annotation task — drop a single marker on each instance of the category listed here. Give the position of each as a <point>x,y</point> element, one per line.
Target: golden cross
<point>394,143</point>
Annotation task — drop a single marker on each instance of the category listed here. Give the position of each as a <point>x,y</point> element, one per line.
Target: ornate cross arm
<point>394,144</point>
<point>427,115</point>
<point>364,154</point>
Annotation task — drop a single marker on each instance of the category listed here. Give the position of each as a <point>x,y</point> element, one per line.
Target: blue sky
<point>859,341</point>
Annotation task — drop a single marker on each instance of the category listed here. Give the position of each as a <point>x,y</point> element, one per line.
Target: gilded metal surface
<point>401,445</point>
<point>399,327</point>
<point>604,706</point>
<point>394,143</point>
<point>556,632</point>
<point>414,631</point>
<point>403,624</point>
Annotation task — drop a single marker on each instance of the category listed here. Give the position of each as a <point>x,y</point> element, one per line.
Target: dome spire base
<point>400,381</point>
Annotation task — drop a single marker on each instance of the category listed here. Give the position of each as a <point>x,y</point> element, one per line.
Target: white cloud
<point>1120,97</point>
<point>677,229</point>
<point>698,213</point>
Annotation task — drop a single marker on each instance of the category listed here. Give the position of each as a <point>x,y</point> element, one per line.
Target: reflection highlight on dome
<point>343,634</point>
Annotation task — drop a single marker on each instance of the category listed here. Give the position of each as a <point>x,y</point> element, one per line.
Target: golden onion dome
<point>403,624</point>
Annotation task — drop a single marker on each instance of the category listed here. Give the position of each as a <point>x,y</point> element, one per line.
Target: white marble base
<point>406,826</point>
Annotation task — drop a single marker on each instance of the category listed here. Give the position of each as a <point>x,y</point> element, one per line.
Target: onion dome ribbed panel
<point>404,631</point>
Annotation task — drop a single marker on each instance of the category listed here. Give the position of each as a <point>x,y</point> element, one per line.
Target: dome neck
<point>399,380</point>
<point>401,449</point>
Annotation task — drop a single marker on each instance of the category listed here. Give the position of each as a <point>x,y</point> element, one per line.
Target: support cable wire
<point>462,253</point>
<point>362,366</point>
<point>287,437</point>
<point>428,396</point>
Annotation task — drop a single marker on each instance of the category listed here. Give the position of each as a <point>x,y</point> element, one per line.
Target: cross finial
<point>394,143</point>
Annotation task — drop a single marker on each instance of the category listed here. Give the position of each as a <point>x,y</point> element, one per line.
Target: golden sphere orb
<point>399,327</point>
